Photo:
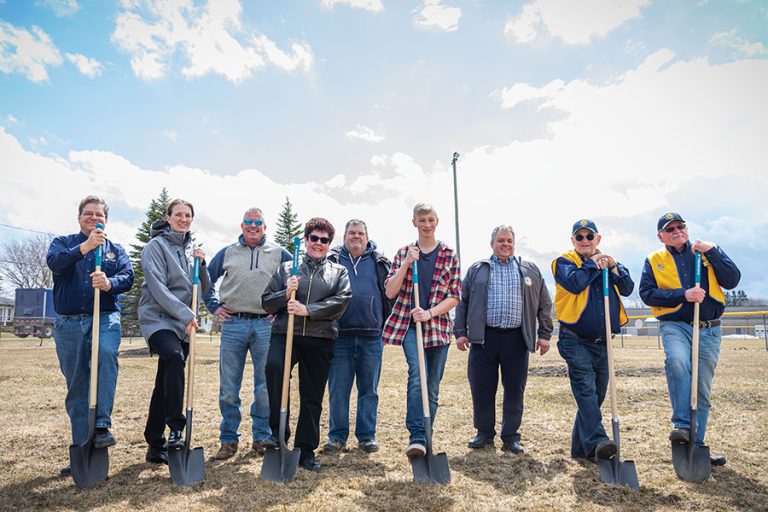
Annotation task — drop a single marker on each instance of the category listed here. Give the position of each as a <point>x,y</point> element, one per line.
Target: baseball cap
<point>665,219</point>
<point>584,224</point>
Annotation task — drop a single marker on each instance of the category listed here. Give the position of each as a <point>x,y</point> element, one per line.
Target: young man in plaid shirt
<point>439,292</point>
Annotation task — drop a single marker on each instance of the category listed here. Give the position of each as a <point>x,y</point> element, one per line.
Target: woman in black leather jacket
<point>322,293</point>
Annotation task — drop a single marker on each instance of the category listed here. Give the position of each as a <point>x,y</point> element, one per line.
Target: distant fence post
<point>765,333</point>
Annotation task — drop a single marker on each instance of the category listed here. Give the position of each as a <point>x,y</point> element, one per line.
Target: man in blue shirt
<point>72,260</point>
<point>668,287</point>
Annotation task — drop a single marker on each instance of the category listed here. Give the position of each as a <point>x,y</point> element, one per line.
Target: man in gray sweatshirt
<point>245,269</point>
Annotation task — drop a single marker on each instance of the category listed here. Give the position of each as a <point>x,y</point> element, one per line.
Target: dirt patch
<point>562,371</point>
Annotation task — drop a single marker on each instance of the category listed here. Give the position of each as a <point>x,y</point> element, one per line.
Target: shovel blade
<point>624,474</point>
<point>187,466</point>
<point>89,465</point>
<point>431,469</point>
<point>280,465</point>
<point>691,464</point>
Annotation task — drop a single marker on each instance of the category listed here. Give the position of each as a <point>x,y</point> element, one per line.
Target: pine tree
<point>130,302</point>
<point>287,227</point>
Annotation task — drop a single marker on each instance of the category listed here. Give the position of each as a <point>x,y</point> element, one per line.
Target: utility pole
<point>456,204</point>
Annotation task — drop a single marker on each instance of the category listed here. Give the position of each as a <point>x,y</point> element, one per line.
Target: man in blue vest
<point>580,309</point>
<point>72,260</point>
<point>668,287</point>
<point>245,269</point>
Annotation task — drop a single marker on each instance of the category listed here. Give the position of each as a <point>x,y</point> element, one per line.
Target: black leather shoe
<point>175,440</point>
<point>65,472</point>
<point>480,441</point>
<point>717,460</point>
<point>514,447</point>
<point>310,464</point>
<point>157,455</point>
<point>605,450</point>
<point>680,435</point>
<point>103,438</point>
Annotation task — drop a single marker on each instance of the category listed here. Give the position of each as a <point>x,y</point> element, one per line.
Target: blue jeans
<point>355,358</point>
<point>678,338</point>
<point>72,334</point>
<point>588,373</point>
<point>434,359</point>
<point>238,337</point>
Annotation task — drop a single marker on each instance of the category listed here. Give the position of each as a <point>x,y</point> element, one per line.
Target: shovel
<point>89,464</point>
<point>187,466</point>
<point>281,465</point>
<point>692,462</point>
<point>614,471</point>
<point>431,468</point>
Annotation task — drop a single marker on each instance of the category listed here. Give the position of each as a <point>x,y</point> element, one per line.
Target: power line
<point>27,229</point>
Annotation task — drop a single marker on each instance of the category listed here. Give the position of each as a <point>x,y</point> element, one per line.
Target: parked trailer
<point>33,313</point>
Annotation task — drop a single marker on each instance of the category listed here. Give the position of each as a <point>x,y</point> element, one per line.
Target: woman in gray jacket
<point>166,319</point>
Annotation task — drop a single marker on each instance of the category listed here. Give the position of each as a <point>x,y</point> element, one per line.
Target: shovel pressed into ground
<point>281,465</point>
<point>691,462</point>
<point>187,466</point>
<point>614,471</point>
<point>90,465</point>
<point>432,468</point>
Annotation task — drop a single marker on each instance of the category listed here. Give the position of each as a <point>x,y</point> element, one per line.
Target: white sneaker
<point>416,450</point>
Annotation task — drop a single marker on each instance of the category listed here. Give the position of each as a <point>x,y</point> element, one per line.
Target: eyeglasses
<point>580,237</point>
<point>322,239</point>
<point>679,227</point>
<point>258,222</point>
<point>96,215</point>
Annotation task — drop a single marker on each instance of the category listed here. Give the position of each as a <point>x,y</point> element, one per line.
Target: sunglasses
<point>258,222</point>
<point>322,239</point>
<point>679,227</point>
<point>580,237</point>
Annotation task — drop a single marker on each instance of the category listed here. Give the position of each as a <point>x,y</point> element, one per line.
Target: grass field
<point>34,437</point>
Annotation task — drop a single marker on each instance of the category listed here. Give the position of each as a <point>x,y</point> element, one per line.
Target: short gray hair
<point>253,210</point>
<point>502,227</point>
<point>356,222</point>
<point>93,200</point>
<point>422,208</point>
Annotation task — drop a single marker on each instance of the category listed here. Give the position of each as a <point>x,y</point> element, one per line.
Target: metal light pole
<point>456,204</point>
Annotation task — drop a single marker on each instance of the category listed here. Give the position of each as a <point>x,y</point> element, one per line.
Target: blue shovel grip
<point>605,282</point>
<point>698,268</point>
<point>296,246</point>
<point>99,249</point>
<point>196,271</point>
<point>415,274</point>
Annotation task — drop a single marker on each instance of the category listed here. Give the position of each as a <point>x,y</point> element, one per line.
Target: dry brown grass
<point>34,436</point>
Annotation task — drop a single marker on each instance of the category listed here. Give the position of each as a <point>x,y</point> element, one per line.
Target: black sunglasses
<point>580,237</point>
<point>322,239</point>
<point>679,227</point>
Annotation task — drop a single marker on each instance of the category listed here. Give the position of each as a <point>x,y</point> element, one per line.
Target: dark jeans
<point>314,358</point>
<point>167,403</point>
<point>507,349</point>
<point>588,372</point>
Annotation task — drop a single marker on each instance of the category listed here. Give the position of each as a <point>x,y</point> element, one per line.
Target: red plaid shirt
<point>446,282</point>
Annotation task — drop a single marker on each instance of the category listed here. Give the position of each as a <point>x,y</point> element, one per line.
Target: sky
<point>618,111</point>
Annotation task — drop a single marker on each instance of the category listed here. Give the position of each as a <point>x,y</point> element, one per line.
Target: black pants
<point>505,348</point>
<point>314,357</point>
<point>167,403</point>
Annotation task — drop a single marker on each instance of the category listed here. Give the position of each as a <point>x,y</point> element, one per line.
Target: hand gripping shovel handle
<point>608,344</point>
<point>420,348</point>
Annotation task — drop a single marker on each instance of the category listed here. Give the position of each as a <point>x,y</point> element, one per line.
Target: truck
<point>33,313</point>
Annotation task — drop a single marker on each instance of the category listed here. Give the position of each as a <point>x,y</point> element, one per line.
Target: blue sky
<point>618,111</point>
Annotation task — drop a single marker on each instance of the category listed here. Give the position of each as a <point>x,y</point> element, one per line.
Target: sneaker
<point>65,472</point>
<point>680,435</point>
<point>103,438</point>
<point>226,451</point>
<point>605,450</point>
<point>157,455</point>
<point>333,446</point>
<point>175,440</point>
<point>416,450</point>
<point>717,460</point>
<point>369,445</point>
<point>310,464</point>
<point>258,447</point>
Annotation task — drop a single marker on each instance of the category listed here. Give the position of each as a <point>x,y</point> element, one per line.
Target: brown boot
<point>226,451</point>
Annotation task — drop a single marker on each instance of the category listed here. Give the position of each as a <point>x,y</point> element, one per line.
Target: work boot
<point>226,451</point>
<point>333,446</point>
<point>680,435</point>
<point>369,445</point>
<point>103,438</point>
<point>271,442</point>
<point>605,450</point>
<point>157,455</point>
<point>65,472</point>
<point>258,447</point>
<point>310,464</point>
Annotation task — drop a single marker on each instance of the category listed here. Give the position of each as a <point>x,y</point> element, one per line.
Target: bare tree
<point>22,262</point>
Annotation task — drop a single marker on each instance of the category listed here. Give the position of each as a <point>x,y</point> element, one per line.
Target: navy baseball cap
<point>584,224</point>
<point>666,219</point>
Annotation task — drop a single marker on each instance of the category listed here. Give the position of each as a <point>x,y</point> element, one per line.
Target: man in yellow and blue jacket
<point>580,309</point>
<point>668,287</point>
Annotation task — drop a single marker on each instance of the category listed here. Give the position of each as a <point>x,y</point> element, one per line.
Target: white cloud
<point>27,53</point>
<point>60,7</point>
<point>432,14</point>
<point>170,135</point>
<point>364,133</point>
<point>85,65</point>
<point>741,45</point>
<point>209,37</point>
<point>573,22</point>
<point>368,5</point>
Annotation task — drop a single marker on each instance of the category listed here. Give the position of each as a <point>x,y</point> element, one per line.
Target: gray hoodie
<point>166,294</point>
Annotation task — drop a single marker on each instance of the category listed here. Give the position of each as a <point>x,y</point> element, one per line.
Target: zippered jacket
<point>323,288</point>
<point>166,294</point>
